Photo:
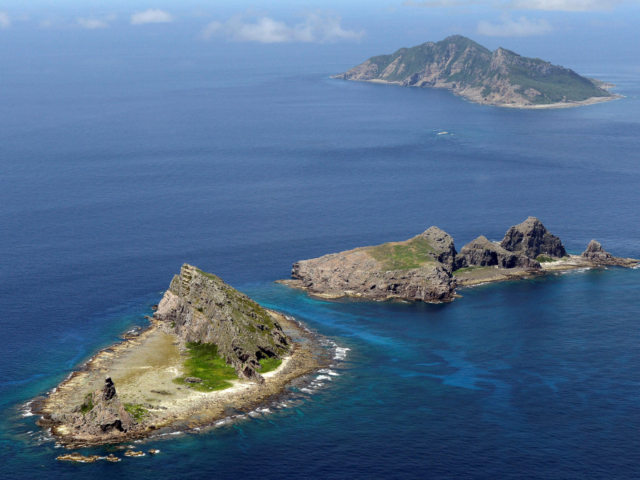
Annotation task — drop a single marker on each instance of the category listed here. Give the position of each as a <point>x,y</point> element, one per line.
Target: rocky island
<point>428,268</point>
<point>500,78</point>
<point>209,350</point>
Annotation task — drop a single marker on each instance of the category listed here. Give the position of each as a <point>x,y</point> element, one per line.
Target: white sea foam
<point>306,390</point>
<point>329,372</point>
<point>341,353</point>
<point>323,377</point>
<point>443,133</point>
<point>26,412</point>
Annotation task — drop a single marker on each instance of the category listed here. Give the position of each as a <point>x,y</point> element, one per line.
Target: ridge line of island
<point>501,78</point>
<point>428,268</point>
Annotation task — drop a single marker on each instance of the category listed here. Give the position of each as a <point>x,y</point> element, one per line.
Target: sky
<point>530,27</point>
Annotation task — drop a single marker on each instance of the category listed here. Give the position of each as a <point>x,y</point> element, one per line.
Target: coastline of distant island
<point>500,78</point>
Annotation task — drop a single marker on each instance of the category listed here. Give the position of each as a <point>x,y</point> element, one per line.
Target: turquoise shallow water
<point>114,175</point>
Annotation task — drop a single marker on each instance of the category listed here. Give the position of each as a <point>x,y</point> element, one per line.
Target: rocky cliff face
<point>483,253</point>
<point>200,307</point>
<point>428,268</point>
<point>441,242</point>
<point>531,238</point>
<point>499,78</point>
<point>417,269</point>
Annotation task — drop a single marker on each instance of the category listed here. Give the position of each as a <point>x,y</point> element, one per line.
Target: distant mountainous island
<point>500,78</point>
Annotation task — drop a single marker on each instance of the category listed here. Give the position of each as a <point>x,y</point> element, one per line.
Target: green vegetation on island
<point>500,78</point>
<point>403,256</point>
<point>205,363</point>
<point>269,364</point>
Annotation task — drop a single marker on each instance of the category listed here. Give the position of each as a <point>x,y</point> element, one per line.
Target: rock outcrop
<point>200,307</point>
<point>531,238</point>
<point>501,78</point>
<point>107,414</point>
<point>102,417</point>
<point>598,255</point>
<point>417,269</point>
<point>483,253</point>
<point>444,250</point>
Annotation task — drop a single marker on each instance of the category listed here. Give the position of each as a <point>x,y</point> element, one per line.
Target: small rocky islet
<point>209,347</point>
<point>428,268</point>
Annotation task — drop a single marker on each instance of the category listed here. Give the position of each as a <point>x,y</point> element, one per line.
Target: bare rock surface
<point>598,255</point>
<point>102,415</point>
<point>532,239</point>
<point>417,269</point>
<point>200,307</point>
<point>108,415</point>
<point>428,268</point>
<point>483,253</point>
<point>444,250</point>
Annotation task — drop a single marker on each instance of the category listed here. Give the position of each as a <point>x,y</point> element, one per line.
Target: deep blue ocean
<point>115,169</point>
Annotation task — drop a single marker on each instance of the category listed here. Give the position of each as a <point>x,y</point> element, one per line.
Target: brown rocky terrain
<point>597,255</point>
<point>428,268</point>
<point>153,371</point>
<point>483,253</point>
<point>417,269</point>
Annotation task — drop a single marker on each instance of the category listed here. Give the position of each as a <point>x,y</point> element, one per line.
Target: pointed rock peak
<point>109,390</point>
<point>481,252</point>
<point>200,307</point>
<point>504,51</point>
<point>594,246</point>
<point>596,253</point>
<point>455,38</point>
<point>442,243</point>
<point>531,238</point>
<point>435,232</point>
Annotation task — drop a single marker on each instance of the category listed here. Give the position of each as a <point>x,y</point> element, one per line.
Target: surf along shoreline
<point>143,369</point>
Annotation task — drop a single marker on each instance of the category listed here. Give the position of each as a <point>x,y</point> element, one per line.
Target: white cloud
<point>316,27</point>
<point>564,5</point>
<point>444,3</point>
<point>547,5</point>
<point>151,16</point>
<point>522,27</point>
<point>94,23</point>
<point>47,22</point>
<point>5,21</point>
